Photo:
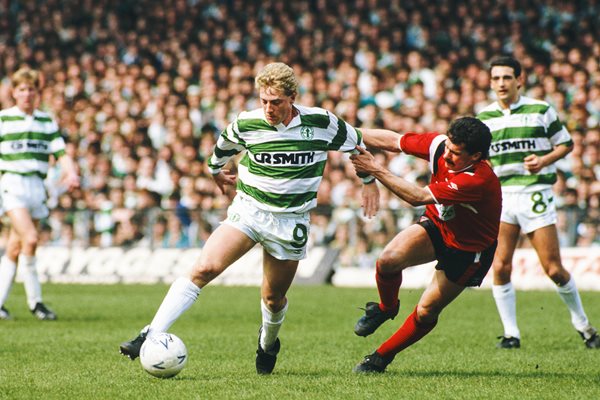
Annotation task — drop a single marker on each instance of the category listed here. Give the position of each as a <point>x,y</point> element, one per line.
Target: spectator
<point>117,83</point>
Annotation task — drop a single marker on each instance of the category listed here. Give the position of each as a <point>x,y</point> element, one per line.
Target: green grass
<point>76,357</point>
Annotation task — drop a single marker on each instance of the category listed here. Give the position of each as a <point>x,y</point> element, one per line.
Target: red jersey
<point>467,203</point>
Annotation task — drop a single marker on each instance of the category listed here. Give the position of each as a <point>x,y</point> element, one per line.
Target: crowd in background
<point>141,90</point>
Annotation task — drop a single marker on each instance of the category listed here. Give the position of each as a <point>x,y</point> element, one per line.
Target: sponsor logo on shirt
<point>523,144</point>
<point>29,145</point>
<point>285,158</point>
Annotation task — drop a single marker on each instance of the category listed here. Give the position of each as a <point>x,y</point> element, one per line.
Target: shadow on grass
<point>538,373</point>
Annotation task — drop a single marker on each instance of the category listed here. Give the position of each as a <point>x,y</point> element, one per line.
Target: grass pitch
<point>77,356</point>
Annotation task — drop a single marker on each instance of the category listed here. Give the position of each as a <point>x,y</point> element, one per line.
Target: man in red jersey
<point>459,228</point>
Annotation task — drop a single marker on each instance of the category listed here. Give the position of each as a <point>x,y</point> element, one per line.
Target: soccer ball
<point>163,355</point>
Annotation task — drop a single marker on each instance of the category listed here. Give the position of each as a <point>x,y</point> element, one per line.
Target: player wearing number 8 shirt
<point>286,149</point>
<point>527,139</point>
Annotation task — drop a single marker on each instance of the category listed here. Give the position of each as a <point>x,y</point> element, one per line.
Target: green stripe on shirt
<point>520,132</point>
<point>247,125</point>
<point>289,145</point>
<point>316,120</point>
<point>340,137</point>
<point>280,200</point>
<point>526,180</point>
<point>25,156</point>
<point>48,137</point>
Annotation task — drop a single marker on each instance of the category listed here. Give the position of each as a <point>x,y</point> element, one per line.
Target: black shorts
<point>459,266</point>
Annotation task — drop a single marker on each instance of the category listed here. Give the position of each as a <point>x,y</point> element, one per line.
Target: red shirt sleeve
<point>422,145</point>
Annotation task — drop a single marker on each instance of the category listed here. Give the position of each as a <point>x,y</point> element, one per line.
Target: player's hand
<point>224,178</point>
<point>370,199</point>
<point>363,161</point>
<point>533,163</point>
<point>70,181</point>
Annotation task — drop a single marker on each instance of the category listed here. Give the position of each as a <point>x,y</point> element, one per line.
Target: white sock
<point>31,281</point>
<point>271,323</point>
<point>8,268</point>
<point>570,295</point>
<point>182,294</point>
<point>506,302</point>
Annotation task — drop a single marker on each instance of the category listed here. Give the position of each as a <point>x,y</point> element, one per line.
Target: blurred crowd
<point>141,90</point>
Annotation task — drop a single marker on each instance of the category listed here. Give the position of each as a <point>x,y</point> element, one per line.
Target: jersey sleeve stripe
<point>340,137</point>
<point>432,195</point>
<point>220,153</point>
<point>436,150</point>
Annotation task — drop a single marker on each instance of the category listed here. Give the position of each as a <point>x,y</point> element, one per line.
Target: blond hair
<point>277,76</point>
<point>26,75</point>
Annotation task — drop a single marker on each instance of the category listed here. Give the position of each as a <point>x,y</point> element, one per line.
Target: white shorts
<point>283,235</point>
<point>24,191</point>
<point>530,210</point>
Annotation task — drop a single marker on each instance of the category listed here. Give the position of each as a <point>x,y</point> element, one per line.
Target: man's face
<point>277,106</point>
<point>457,157</point>
<point>505,84</point>
<point>25,95</point>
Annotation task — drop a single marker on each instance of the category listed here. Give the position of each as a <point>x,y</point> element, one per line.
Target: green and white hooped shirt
<point>529,126</point>
<point>283,165</point>
<point>27,141</point>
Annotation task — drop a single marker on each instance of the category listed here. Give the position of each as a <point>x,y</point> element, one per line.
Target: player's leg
<point>8,269</point>
<point>284,238</point>
<point>410,247</point>
<point>26,228</point>
<point>438,294</point>
<point>455,270</point>
<point>545,243</point>
<point>223,247</point>
<point>502,288</point>
<point>277,278</point>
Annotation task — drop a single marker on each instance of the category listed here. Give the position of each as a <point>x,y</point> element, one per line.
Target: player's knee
<point>502,269</point>
<point>12,250</point>
<point>427,314</point>
<point>30,240</point>
<point>13,253</point>
<point>558,274</point>
<point>274,302</point>
<point>389,262</point>
<point>204,273</point>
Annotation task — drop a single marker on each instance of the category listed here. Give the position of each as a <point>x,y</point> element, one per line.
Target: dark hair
<point>473,133</point>
<point>506,61</point>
